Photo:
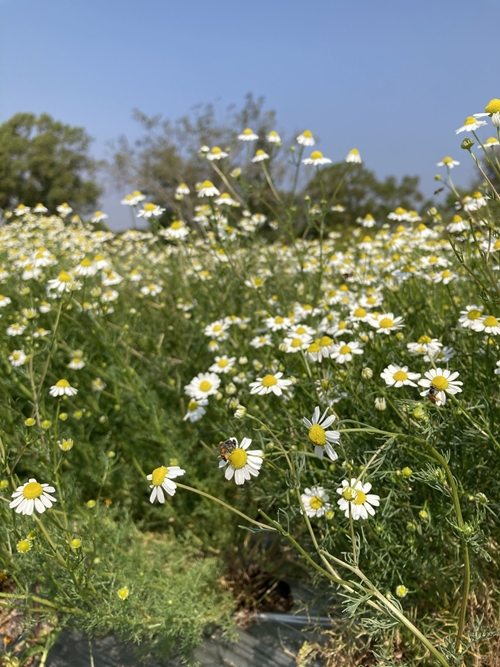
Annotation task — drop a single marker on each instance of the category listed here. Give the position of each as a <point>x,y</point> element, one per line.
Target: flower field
<point>168,394</point>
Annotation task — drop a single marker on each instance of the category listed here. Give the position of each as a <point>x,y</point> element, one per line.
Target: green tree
<point>44,160</point>
<point>168,152</point>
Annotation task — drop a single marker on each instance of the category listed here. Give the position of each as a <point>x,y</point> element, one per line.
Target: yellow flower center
<point>400,376</point>
<point>490,321</point>
<point>447,160</point>
<point>149,207</point>
<point>354,151</point>
<point>177,224</point>
<point>158,475</point>
<point>300,331</point>
<point>424,339</point>
<point>64,277</point>
<point>307,134</point>
<point>470,120</point>
<point>493,106</point>
<point>345,349</point>
<point>316,503</point>
<point>325,341</point>
<point>474,314</point>
<point>496,245</point>
<point>269,381</point>
<point>296,342</point>
<point>207,184</point>
<point>316,155</point>
<point>23,546</point>
<point>63,383</point>
<point>97,214</point>
<point>86,262</point>
<point>192,405</point>
<point>205,385</point>
<point>317,435</point>
<point>477,195</point>
<point>349,494</point>
<point>360,497</point>
<point>238,458</point>
<point>440,382</point>
<point>314,347</point>
<point>216,150</point>
<point>260,152</point>
<point>222,363</point>
<point>386,323</point>
<point>400,210</point>
<point>359,312</point>
<point>247,131</point>
<point>446,273</point>
<point>278,320</point>
<point>32,490</point>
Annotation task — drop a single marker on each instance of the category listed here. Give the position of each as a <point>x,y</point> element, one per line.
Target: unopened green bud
<point>467,144</point>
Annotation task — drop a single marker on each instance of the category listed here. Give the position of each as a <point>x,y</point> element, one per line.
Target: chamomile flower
<point>64,282</point>
<point>315,501</point>
<point>4,301</point>
<point>261,341</point>
<point>32,496</point>
<point>269,384</point>
<point>386,323</point>
<point>316,158</point>
<point>76,362</point>
<point>17,358</point>
<point>65,445</point>
<point>343,352</point>
<point>62,388</point>
<point>448,162</point>
<point>353,156</point>
<point>443,382</point>
<point>470,125</point>
<point>16,329</point>
<point>226,200</point>
<point>240,462</point>
<point>40,208</point>
<point>151,211</point>
<point>195,410</point>
<point>319,436</point>
<point>182,189</point>
<point>273,137</point>
<point>162,481</point>
<point>247,135</point>
<point>260,155</point>
<point>491,142</point>
<point>98,385</point>
<point>489,324</point>
<point>216,154</point>
<point>202,386</point>
<point>398,376</point>
<point>98,216</point>
<point>207,189</point>
<point>357,500</point>
<point>222,364</point>
<point>64,209</point>
<point>492,110</point>
<point>306,138</point>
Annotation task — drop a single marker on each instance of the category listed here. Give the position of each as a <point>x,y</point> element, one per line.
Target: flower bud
<point>380,403</point>
<point>467,144</point>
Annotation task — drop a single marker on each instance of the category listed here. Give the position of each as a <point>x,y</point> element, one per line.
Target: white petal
<point>229,472</point>
<point>40,507</point>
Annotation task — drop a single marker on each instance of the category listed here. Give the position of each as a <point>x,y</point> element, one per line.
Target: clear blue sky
<point>393,78</point>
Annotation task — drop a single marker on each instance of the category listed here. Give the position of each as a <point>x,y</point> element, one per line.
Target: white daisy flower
<point>98,216</point>
<point>32,496</point>
<point>353,156</point>
<point>16,329</point>
<point>217,330</point>
<point>195,410</point>
<point>40,208</point>
<point>241,464</point>
<point>343,352</point>
<point>177,231</point>
<point>261,341</point>
<point>226,200</point>
<point>64,282</point>
<point>4,301</point>
<point>492,110</point>
<point>491,142</point>
<point>357,499</point>
<point>398,376</point>
<point>316,158</point>
<point>17,358</point>
<point>368,221</point>
<point>386,322</point>
<point>247,135</point>
<point>260,155</point>
<point>306,138</point>
<point>65,445</point>
<point>277,323</point>
<point>62,388</point>
<point>400,214</point>
<point>151,290</point>
<point>216,154</point>
<point>470,124</point>
<point>202,386</point>
<point>319,436</point>
<point>424,345</point>
<point>315,501</point>
<point>448,162</point>
<point>162,481</point>
<point>443,382</point>
<point>222,364</point>
<point>497,370</point>
<point>86,268</point>
<point>488,324</point>
<point>207,189</point>
<point>269,384</point>
<point>457,225</point>
<point>151,211</point>
<point>182,189</point>
<point>77,362</point>
<point>441,355</point>
<point>98,385</point>
<point>273,137</point>
<point>64,209</point>
<point>22,210</point>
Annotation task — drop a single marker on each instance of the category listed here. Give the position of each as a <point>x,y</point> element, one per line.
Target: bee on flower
<point>438,383</point>
<point>240,462</point>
